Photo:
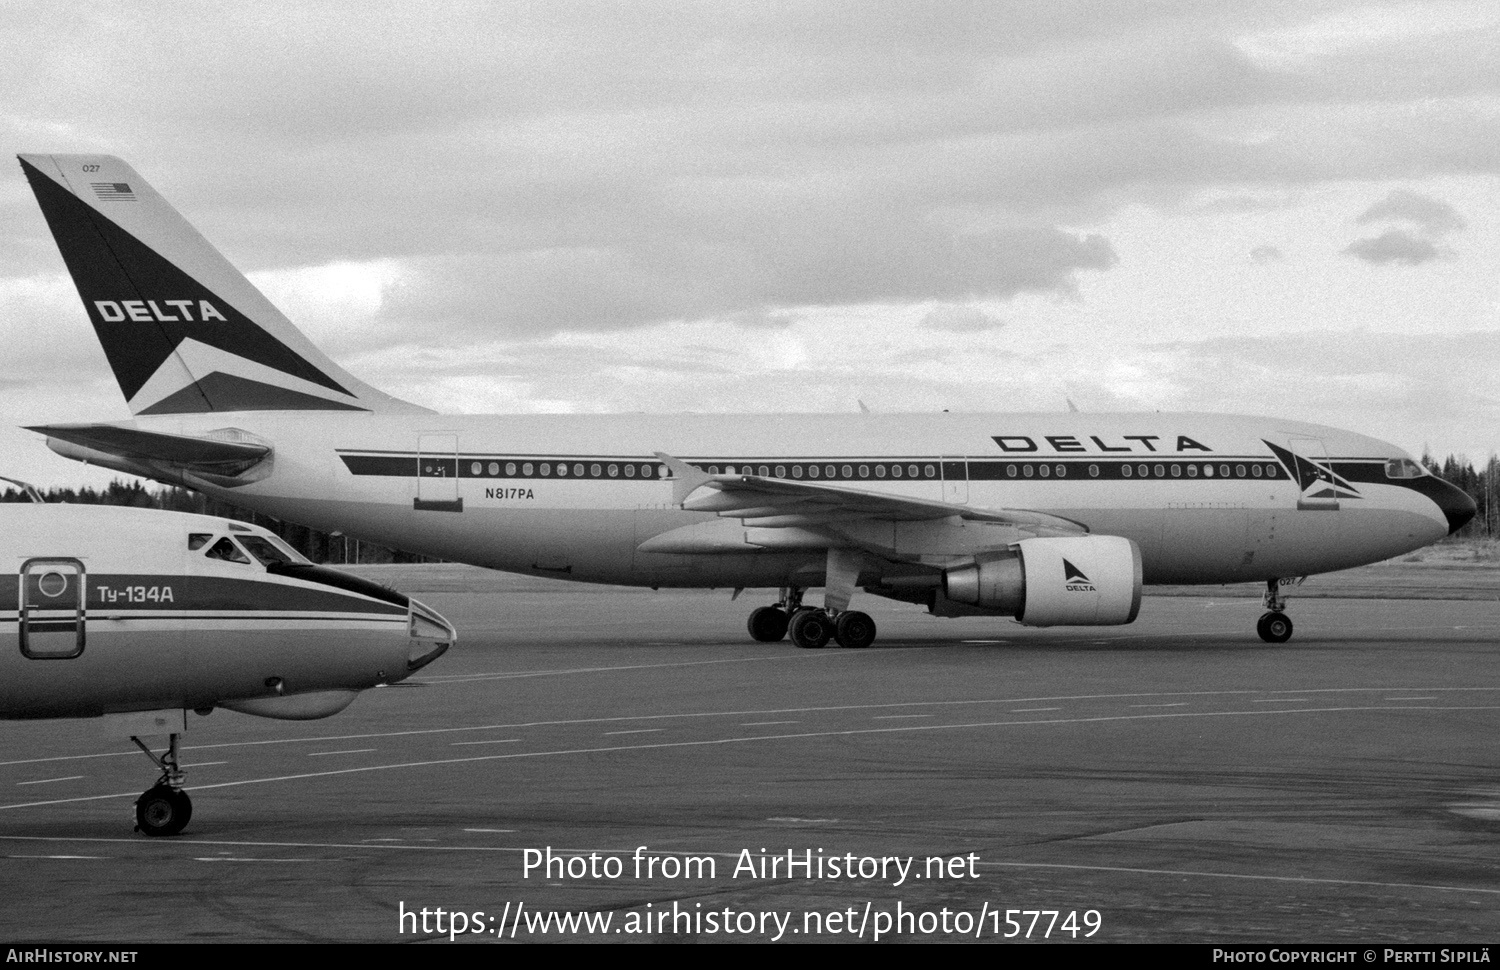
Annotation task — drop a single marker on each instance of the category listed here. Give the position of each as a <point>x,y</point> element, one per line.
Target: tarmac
<point>596,763</point>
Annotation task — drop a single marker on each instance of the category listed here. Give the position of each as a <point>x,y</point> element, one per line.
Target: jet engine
<point>1069,581</point>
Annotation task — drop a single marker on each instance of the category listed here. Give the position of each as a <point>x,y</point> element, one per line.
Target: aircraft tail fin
<point>184,331</point>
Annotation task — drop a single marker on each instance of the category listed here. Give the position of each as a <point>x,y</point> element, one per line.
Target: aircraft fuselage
<point>1207,498</point>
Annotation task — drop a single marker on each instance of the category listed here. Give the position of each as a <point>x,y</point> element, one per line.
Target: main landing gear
<point>1274,626</point>
<point>810,627</point>
<point>164,808</point>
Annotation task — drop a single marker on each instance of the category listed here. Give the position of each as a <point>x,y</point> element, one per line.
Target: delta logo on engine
<point>1075,581</point>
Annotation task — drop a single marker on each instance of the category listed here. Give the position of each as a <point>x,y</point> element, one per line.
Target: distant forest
<point>1482,484</point>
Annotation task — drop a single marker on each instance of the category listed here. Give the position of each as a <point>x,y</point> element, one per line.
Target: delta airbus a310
<point>141,616</point>
<point>1052,519</point>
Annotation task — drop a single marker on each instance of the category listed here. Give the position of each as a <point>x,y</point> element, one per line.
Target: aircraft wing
<point>154,449</point>
<point>763,502</point>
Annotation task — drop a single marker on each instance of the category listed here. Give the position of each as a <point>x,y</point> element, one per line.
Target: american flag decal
<point>113,191</point>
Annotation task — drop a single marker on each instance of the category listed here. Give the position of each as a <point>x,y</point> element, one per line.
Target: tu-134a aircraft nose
<point>431,636</point>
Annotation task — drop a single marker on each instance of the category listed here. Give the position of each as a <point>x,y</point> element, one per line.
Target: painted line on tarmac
<point>60,857</point>
<point>515,674</point>
<point>808,735</point>
<point>419,732</point>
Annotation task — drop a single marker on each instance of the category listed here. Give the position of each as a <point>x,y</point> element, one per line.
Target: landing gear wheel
<point>1274,627</point>
<point>811,629</point>
<point>768,624</point>
<point>162,810</point>
<point>855,630</point>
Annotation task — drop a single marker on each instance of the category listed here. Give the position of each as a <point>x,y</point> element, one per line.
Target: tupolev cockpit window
<point>226,550</point>
<point>291,554</point>
<point>1402,468</point>
<point>265,551</point>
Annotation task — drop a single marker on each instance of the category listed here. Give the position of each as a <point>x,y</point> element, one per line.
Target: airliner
<point>139,616</point>
<point>1050,519</point>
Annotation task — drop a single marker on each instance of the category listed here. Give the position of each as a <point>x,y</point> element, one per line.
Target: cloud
<point>593,206</point>
<point>583,166</point>
<point>760,262</point>
<point>1358,381</point>
<point>1395,246</point>
<point>1432,216</point>
<point>961,319</point>
<point>47,334</point>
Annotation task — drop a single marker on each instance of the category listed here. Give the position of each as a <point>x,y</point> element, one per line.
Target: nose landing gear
<point>1274,626</point>
<point>164,808</point>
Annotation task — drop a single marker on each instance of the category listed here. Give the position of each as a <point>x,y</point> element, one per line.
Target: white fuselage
<point>113,610</point>
<point>1205,497</point>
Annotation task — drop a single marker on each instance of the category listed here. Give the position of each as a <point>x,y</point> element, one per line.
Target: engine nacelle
<point>1071,581</point>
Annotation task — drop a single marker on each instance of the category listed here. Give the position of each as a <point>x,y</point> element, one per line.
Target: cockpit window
<point>197,540</point>
<point>226,550</point>
<point>1402,468</point>
<point>291,554</point>
<point>263,550</point>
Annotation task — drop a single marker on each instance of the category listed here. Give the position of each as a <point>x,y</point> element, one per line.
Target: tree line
<point>319,546</point>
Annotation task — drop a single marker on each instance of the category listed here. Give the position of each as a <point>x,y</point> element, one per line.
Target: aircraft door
<point>53,601</point>
<point>437,474</point>
<point>1314,475</point>
<point>956,480</point>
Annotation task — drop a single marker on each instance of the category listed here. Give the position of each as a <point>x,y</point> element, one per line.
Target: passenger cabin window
<point>226,550</point>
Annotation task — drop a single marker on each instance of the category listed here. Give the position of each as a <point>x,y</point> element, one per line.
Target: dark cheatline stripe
<point>1369,471</point>
<point>866,471</point>
<point>1120,470</point>
<point>123,593</point>
<point>391,466</point>
<point>339,580</point>
<point>148,616</point>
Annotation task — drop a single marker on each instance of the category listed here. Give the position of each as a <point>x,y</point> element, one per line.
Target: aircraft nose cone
<point>431,636</point>
<point>1457,506</point>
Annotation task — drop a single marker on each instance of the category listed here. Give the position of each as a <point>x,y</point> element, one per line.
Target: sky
<point>1255,207</point>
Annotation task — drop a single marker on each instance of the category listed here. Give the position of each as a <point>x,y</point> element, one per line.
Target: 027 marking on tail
<point>966,514</point>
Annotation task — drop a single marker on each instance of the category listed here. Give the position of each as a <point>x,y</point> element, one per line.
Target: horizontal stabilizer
<point>216,456</point>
